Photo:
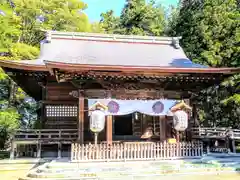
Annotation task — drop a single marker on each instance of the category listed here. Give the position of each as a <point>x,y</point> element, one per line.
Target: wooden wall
<point>59,92</point>
<point>60,108</point>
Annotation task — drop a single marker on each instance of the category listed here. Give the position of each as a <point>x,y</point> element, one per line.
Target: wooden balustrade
<point>45,134</point>
<point>215,133</point>
<point>135,151</point>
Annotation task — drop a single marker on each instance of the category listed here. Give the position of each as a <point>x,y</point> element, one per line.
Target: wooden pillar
<point>12,153</point>
<point>39,150</point>
<point>17,150</point>
<point>233,145</point>
<point>59,150</point>
<point>81,119</point>
<point>177,136</point>
<point>160,127</point>
<point>163,128</point>
<point>109,129</point>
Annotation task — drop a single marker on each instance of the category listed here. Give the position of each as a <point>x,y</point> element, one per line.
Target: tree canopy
<point>22,28</point>
<point>137,18</point>
<point>210,35</point>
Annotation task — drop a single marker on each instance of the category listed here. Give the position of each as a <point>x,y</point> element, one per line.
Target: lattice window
<point>61,111</point>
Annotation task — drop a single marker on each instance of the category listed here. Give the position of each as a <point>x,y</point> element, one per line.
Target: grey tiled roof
<point>111,53</point>
<point>119,50</point>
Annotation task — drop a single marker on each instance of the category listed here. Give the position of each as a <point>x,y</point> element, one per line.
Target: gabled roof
<point>112,50</point>
<point>69,54</point>
<point>86,51</point>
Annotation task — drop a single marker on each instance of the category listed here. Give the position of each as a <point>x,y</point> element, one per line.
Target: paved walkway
<point>14,169</point>
<point>209,168</point>
<point>214,168</point>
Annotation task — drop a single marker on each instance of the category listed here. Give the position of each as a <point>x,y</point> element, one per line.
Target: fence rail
<point>135,151</point>
<point>216,133</point>
<point>45,134</point>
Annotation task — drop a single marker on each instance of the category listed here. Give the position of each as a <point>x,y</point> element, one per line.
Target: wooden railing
<point>45,134</point>
<point>203,132</point>
<point>135,151</point>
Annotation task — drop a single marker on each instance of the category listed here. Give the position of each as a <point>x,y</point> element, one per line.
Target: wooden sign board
<point>172,141</point>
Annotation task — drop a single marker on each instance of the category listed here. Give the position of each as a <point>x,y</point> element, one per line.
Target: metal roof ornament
<point>98,106</point>
<point>175,42</point>
<point>48,36</point>
<point>181,106</point>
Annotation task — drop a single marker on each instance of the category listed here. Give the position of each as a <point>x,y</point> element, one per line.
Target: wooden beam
<point>81,119</point>
<point>59,102</point>
<point>109,130</point>
<point>133,94</point>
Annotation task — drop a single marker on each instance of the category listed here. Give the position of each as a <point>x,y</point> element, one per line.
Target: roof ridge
<point>113,37</point>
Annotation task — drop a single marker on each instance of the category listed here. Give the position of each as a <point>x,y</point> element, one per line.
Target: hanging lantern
<point>180,120</point>
<point>97,121</point>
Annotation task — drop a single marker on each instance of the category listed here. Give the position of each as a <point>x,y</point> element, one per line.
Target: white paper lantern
<point>97,121</point>
<point>180,120</point>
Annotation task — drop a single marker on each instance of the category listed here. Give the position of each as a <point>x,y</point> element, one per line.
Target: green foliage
<point>22,24</point>
<point>141,18</point>
<point>9,119</point>
<point>233,87</point>
<point>204,26</point>
<point>10,28</point>
<point>137,18</point>
<point>24,51</point>
<point>97,28</point>
<point>2,74</point>
<point>59,15</point>
<point>109,22</point>
<point>210,35</point>
<point>4,154</point>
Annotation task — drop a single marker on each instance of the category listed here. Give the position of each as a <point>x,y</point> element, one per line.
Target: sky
<point>96,7</point>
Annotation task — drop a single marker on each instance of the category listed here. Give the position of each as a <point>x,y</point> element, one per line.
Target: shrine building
<point>146,84</point>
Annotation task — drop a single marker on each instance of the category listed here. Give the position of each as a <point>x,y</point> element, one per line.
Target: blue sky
<point>96,7</point>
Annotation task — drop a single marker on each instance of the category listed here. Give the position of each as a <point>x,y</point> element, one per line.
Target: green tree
<point>137,18</point>
<point>210,35</point>
<point>9,29</point>
<point>204,26</point>
<point>22,28</point>
<point>9,121</point>
<point>109,22</point>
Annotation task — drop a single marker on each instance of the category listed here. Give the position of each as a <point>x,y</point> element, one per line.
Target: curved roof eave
<point>22,65</point>
<point>146,69</point>
<point>49,65</point>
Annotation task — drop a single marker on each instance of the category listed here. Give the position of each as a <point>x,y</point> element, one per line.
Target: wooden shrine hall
<point>146,83</point>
